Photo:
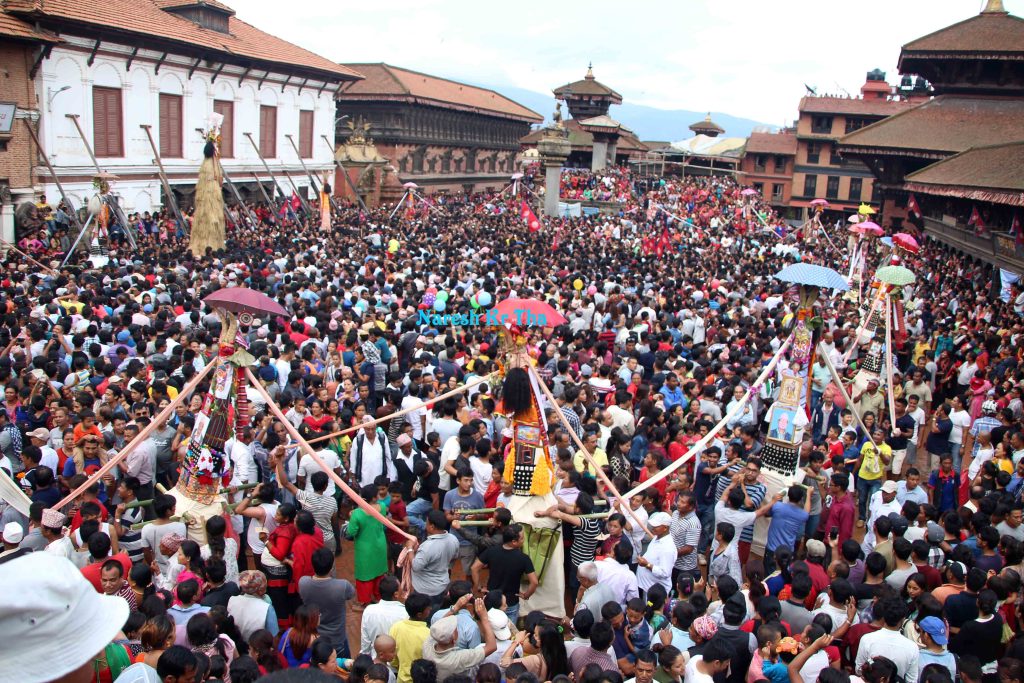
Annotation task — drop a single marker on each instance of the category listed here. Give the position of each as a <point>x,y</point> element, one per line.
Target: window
<point>777,192</point>
<point>226,108</point>
<point>813,152</point>
<point>780,164</point>
<point>856,185</point>
<point>876,193</point>
<point>306,134</point>
<point>107,122</point>
<point>832,188</point>
<point>853,124</point>
<point>170,126</point>
<point>810,185</point>
<point>821,125</point>
<point>268,132</point>
<point>760,162</point>
<point>759,187</point>
<point>834,158</point>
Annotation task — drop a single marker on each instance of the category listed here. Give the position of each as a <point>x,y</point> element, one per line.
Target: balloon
<point>442,296</point>
<point>592,290</point>
<point>431,290</point>
<point>484,298</point>
<point>715,284</point>
<point>439,305</point>
<point>429,299</point>
<point>577,284</point>
<point>473,302</point>
<point>393,246</point>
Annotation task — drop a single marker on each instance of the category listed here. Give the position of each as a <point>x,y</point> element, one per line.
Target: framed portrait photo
<point>782,426</point>
<point>789,391</point>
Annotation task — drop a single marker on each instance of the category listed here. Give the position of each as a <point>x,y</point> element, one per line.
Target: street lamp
<point>50,94</point>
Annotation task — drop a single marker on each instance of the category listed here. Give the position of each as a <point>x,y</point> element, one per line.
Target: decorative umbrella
<point>811,275</point>
<point>897,276</point>
<point>887,241</point>
<point>244,300</point>
<point>748,192</point>
<point>854,218</point>
<point>517,176</point>
<point>865,210</point>
<point>907,242</point>
<point>516,311</point>
<point>819,202</point>
<point>870,228</point>
<point>410,185</point>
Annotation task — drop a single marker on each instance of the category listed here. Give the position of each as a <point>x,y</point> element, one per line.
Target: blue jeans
<point>417,511</point>
<point>811,527</point>
<point>512,612</point>
<point>865,489</point>
<point>707,528</point>
<point>954,450</point>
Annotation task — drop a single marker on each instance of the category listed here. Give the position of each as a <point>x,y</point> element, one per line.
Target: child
<point>783,652</point>
<point>768,637</point>
<point>399,515</point>
<point>655,613</point>
<point>637,630</point>
<point>384,649</point>
<point>493,488</point>
<point>505,497</point>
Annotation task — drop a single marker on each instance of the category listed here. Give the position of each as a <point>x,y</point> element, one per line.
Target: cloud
<point>745,57</point>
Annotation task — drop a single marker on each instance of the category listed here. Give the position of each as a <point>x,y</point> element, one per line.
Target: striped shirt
<point>584,542</point>
<point>322,508</point>
<point>756,492</point>
<point>574,419</point>
<point>685,530</point>
<point>131,541</point>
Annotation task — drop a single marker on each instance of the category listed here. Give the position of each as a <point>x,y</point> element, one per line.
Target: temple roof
<point>16,29</point>
<point>856,106</point>
<point>944,125</point>
<point>707,125</point>
<point>993,169</point>
<point>772,143</point>
<point>588,86</point>
<point>384,81</point>
<point>603,121</point>
<point>994,33</point>
<point>582,140</point>
<point>149,22</point>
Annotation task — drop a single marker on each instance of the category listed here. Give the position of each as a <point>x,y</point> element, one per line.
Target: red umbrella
<point>530,312</point>
<point>905,241</point>
<point>244,300</point>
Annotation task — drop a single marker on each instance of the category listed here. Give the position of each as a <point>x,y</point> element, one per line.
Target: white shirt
<point>814,666</point>
<point>308,467</point>
<point>415,418</point>
<point>449,452</point>
<point>378,619</point>
<point>692,675</point>
<point>482,474</point>
<point>619,578</point>
<point>623,419</point>
<point>961,420</point>
<point>661,553</point>
<point>636,534</point>
<point>876,509</point>
<point>243,467</point>
<point>919,419</point>
<point>895,647</point>
<point>49,458</point>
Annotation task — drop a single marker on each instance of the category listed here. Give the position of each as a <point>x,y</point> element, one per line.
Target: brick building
<point>767,166</point>
<point>20,49</point>
<point>168,64</point>
<point>438,133</point>
<point>820,171</point>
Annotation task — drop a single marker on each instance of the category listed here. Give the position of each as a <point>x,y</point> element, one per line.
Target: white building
<point>168,64</point>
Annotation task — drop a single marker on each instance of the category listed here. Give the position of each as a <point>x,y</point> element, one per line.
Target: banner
<point>1006,278</point>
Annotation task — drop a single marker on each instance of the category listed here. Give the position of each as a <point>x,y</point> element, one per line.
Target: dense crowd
<point>897,559</point>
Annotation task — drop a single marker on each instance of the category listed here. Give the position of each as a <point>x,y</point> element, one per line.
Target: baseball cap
<point>935,533</point>
<point>958,570</point>
<point>13,533</point>
<point>889,487</point>
<point>934,627</point>
<point>659,519</point>
<point>499,624</point>
<point>61,602</point>
<point>42,434</point>
<point>443,630</point>
<point>815,548</point>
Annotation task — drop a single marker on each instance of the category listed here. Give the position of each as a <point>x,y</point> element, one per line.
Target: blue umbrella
<point>887,241</point>
<point>812,275</point>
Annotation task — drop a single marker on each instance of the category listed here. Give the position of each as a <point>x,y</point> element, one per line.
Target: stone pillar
<point>554,148</point>
<point>600,157</point>
<point>6,224</point>
<point>613,149</point>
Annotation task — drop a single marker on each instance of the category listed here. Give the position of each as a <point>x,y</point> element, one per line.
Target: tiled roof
<point>581,139</point>
<point>947,123</point>
<point>385,80</point>
<point>852,105</point>
<point>772,143</point>
<point>168,4</point>
<point>587,86</point>
<point>992,167</point>
<point>706,124</point>
<point>147,21</point>
<point>12,27</point>
<point>603,121</point>
<point>990,33</point>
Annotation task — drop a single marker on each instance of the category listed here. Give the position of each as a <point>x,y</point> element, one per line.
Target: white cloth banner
<point>1006,278</point>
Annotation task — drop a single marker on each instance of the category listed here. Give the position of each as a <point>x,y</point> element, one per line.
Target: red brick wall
<point>15,86</point>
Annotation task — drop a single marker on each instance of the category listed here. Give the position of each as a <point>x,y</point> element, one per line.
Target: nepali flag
<point>1016,230</point>
<point>663,243</point>
<point>913,207</point>
<point>296,202</point>
<point>528,216</point>
<point>976,221</point>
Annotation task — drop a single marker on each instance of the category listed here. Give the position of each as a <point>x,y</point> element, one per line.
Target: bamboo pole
<point>312,178</point>
<point>263,191</point>
<point>348,181</point>
<point>164,414</point>
<point>302,200</point>
<point>116,207</point>
<point>53,174</point>
<point>623,502</point>
<point>371,510</point>
<point>240,487</point>
<point>16,250</point>
<point>265,165</point>
<point>163,176</point>
<point>137,504</point>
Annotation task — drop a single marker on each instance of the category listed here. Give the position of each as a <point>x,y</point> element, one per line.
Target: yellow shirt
<point>409,637</point>
<point>582,466</point>
<point>872,465</point>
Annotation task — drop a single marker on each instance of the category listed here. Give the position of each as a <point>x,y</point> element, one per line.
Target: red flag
<point>1016,230</point>
<point>913,207</point>
<point>529,217</point>
<point>296,202</point>
<point>976,221</point>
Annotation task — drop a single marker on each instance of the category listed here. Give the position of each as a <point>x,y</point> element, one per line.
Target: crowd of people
<point>897,557</point>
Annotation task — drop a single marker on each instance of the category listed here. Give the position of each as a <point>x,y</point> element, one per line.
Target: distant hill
<point>648,123</point>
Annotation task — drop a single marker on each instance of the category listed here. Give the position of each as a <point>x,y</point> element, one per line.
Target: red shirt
<point>842,514</point>
<point>76,521</point>
<point>303,548</point>
<point>92,571</point>
<point>397,511</point>
<point>930,573</point>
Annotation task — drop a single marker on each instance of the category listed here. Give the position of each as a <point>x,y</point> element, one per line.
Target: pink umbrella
<point>853,219</point>
<point>748,192</point>
<point>410,185</point>
<point>907,242</point>
<point>527,311</point>
<point>870,228</point>
<point>244,300</point>
<point>819,202</point>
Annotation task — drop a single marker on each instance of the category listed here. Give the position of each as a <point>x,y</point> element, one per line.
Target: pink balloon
<point>592,290</point>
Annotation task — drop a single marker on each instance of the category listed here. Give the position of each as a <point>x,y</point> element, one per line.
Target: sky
<point>748,58</point>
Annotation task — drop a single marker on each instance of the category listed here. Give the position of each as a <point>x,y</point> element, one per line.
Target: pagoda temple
<point>597,139</point>
<point>707,127</point>
<point>949,155</point>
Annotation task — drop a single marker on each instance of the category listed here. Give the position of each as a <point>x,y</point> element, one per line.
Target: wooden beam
<point>244,74</point>
<point>286,81</point>
<point>92,55</point>
<point>194,66</point>
<point>303,85</point>
<point>263,78</point>
<point>131,58</point>
<point>159,62</point>
<point>216,73</point>
<point>320,90</point>
<point>43,53</point>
